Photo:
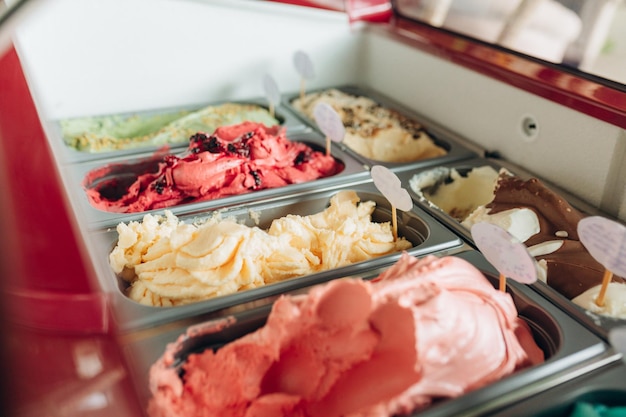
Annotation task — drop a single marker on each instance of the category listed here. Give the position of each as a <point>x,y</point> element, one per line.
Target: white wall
<point>576,152</point>
<point>94,57</point>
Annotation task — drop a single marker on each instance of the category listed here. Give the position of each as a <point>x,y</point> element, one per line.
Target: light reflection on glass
<point>589,35</point>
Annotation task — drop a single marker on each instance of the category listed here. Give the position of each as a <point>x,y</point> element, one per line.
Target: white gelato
<point>614,300</point>
<point>458,195</point>
<point>520,223</point>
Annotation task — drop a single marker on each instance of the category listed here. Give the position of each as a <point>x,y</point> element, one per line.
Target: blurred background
<point>589,35</point>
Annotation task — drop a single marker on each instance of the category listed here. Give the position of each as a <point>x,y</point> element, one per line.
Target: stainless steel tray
<point>600,325</point>
<point>606,385</point>
<point>95,218</point>
<point>67,155</point>
<point>567,345</point>
<point>426,234</point>
<point>462,167</point>
<point>457,148</point>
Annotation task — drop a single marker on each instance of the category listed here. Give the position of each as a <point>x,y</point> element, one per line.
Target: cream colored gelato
<point>614,300</point>
<point>546,223</point>
<point>169,262</point>
<point>372,130</point>
<point>521,223</point>
<point>455,194</point>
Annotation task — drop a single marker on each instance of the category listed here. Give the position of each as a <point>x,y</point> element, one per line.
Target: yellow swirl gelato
<point>168,262</point>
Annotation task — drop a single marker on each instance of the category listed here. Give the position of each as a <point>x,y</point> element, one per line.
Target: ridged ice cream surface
<point>169,262</point>
<point>534,214</point>
<point>456,194</point>
<point>122,132</point>
<point>232,160</point>
<point>372,130</point>
<point>425,329</point>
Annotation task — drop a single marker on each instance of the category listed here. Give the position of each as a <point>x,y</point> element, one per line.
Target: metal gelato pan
<point>567,347</point>
<point>66,154</point>
<point>126,171</point>
<point>441,174</point>
<point>606,385</point>
<point>456,148</point>
<point>424,233</point>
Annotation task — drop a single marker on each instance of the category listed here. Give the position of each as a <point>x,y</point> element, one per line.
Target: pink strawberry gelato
<point>424,329</point>
<point>233,160</point>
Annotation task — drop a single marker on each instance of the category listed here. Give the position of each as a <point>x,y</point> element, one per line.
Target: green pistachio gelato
<point>116,132</point>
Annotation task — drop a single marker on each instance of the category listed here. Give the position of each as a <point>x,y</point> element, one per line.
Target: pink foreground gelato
<point>423,330</point>
<point>233,160</point>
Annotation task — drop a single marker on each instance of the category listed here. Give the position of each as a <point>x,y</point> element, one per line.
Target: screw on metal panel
<point>530,128</point>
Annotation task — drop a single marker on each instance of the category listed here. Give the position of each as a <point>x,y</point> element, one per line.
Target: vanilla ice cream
<point>169,262</point>
<point>372,130</point>
<point>456,194</point>
<point>614,300</point>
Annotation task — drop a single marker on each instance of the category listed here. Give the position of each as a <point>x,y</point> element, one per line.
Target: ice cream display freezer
<point>260,267</point>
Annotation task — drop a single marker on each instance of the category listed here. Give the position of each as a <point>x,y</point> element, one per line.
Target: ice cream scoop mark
<point>115,189</point>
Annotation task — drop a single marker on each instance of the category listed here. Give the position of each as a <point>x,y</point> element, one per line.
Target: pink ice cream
<point>424,329</point>
<point>233,160</point>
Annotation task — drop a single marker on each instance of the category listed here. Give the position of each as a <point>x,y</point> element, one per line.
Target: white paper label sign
<point>329,122</point>
<point>271,89</point>
<point>606,241</point>
<point>390,186</point>
<point>303,65</point>
<point>507,254</point>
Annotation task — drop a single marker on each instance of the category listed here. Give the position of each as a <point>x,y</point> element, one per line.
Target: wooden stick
<point>606,279</point>
<point>502,283</point>
<point>394,222</point>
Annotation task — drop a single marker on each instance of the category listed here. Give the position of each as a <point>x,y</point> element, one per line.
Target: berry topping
<point>159,186</point>
<point>257,178</point>
<point>303,156</point>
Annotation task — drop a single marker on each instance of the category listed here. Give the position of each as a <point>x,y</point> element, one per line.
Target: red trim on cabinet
<point>573,90</point>
<point>306,3</point>
<point>41,261</point>
<point>587,94</point>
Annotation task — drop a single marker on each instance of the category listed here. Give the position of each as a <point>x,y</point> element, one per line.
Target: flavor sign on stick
<point>606,241</point>
<point>390,186</point>
<point>304,66</point>
<point>271,92</point>
<point>329,123</point>
<point>507,254</point>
